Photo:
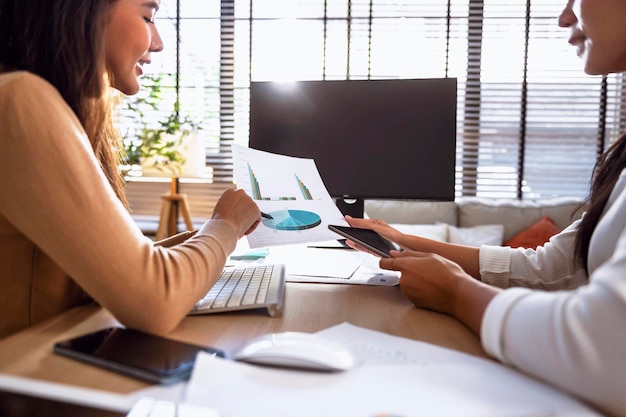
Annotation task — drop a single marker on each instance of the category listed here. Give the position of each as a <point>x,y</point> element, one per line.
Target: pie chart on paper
<point>292,220</point>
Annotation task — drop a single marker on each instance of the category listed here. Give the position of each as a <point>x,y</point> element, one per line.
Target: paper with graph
<point>291,191</point>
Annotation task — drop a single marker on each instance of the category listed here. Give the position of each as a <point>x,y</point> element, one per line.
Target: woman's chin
<point>128,88</point>
<point>602,67</point>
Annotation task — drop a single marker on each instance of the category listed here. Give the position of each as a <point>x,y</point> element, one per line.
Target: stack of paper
<point>397,377</point>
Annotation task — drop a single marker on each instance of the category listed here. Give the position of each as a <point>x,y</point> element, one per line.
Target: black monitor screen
<point>381,139</point>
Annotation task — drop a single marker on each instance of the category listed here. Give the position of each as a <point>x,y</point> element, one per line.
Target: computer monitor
<point>379,139</point>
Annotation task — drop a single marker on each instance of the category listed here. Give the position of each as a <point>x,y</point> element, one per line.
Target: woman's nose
<point>157,42</point>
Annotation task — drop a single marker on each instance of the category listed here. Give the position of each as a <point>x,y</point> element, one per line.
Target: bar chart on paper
<point>291,191</point>
<point>286,219</point>
<point>255,188</point>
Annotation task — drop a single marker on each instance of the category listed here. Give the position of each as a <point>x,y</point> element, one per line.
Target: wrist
<point>470,300</point>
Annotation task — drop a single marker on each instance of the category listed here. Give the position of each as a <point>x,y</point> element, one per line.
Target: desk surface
<point>308,307</point>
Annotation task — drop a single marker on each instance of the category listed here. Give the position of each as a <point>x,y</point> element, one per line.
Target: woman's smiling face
<point>598,31</point>
<point>131,37</point>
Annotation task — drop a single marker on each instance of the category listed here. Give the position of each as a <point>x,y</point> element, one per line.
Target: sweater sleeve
<point>55,193</point>
<point>549,267</point>
<point>573,339</point>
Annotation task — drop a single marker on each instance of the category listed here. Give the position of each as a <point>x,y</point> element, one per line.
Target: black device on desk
<point>134,353</point>
<point>366,238</point>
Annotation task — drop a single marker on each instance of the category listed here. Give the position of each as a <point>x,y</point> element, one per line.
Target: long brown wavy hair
<point>606,174</point>
<point>62,41</point>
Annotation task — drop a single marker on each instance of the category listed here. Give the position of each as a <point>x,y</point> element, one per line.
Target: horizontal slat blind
<point>540,116</point>
<point>530,122</point>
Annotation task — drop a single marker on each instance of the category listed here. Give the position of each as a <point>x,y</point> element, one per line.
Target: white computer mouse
<point>297,350</point>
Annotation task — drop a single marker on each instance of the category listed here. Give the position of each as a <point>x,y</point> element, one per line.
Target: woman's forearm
<point>466,256</point>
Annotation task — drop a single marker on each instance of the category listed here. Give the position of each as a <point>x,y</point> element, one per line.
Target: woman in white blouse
<point>573,336</point>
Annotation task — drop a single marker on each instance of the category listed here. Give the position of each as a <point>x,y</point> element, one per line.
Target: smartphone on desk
<point>141,355</point>
<point>366,238</point>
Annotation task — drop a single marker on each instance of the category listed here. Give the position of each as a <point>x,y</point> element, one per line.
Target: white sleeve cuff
<point>495,265</point>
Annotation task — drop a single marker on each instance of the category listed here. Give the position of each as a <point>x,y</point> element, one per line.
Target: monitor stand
<point>354,207</point>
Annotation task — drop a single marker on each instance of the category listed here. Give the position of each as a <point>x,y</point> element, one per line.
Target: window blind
<point>530,123</point>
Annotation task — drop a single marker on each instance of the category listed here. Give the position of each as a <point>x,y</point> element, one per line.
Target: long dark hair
<point>606,173</point>
<point>62,41</point>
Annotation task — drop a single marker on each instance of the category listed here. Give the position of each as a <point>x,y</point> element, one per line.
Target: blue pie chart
<point>292,220</point>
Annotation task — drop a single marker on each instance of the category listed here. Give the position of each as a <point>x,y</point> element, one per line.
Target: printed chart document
<point>396,377</point>
<point>291,191</point>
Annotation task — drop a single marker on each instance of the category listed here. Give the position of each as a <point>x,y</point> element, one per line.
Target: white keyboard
<point>246,288</point>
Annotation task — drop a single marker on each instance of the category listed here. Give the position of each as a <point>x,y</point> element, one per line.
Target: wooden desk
<point>308,307</point>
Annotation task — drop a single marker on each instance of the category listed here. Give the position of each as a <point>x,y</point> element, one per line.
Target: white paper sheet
<point>292,191</point>
<point>312,264</point>
<point>320,269</point>
<point>397,377</point>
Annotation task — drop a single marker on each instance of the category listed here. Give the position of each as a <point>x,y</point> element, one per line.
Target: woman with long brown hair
<point>66,236</point>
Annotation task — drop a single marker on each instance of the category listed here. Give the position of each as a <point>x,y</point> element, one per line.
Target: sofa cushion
<point>431,231</point>
<point>412,212</point>
<point>516,215</point>
<point>535,235</point>
<point>485,234</point>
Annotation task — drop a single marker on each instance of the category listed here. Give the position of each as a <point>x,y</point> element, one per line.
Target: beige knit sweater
<point>66,239</point>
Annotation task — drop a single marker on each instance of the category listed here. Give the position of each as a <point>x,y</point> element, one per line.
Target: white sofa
<point>472,221</point>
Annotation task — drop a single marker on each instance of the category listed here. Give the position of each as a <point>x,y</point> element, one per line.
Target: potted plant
<point>154,143</point>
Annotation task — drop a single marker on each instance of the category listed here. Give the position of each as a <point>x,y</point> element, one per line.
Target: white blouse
<point>575,335</point>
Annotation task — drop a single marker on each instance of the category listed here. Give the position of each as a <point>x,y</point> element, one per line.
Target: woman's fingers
<point>402,260</point>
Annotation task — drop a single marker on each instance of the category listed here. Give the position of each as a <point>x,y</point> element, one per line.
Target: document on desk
<point>322,263</point>
<point>332,266</point>
<point>313,263</point>
<point>396,377</point>
<point>291,191</point>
